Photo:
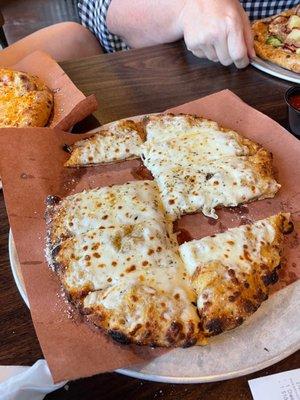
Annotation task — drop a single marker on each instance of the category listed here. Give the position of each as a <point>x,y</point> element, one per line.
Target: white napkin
<point>27,383</point>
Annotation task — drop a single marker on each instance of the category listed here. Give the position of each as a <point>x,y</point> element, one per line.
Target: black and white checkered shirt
<point>93,16</point>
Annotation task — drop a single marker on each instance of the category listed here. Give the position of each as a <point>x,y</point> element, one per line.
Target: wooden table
<point>126,84</point>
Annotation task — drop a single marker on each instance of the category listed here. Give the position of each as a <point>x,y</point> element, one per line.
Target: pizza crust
<point>145,316</point>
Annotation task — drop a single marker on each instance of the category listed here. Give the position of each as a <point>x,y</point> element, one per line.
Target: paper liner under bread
<point>31,166</point>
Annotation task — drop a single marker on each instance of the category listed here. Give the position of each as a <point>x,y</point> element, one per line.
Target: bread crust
<point>25,100</point>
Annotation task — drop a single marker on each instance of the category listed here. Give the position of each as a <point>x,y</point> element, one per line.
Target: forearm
<point>63,41</point>
<point>145,22</point>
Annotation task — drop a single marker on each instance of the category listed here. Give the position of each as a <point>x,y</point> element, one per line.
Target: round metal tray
<point>275,70</point>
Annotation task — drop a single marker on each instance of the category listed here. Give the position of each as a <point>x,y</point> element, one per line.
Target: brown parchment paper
<point>31,166</point>
<point>70,104</point>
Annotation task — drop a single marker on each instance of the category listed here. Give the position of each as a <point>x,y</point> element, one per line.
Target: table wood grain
<point>130,83</point>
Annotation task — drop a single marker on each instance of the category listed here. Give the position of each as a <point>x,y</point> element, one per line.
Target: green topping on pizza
<point>274,41</point>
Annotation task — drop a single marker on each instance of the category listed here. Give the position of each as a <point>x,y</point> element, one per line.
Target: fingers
<point>210,53</point>
<point>237,47</point>
<point>227,50</point>
<point>222,52</point>
<point>228,41</point>
<point>229,47</point>
<point>198,53</point>
<point>206,52</point>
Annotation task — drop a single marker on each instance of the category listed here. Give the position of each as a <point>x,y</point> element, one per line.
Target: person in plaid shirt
<point>216,29</point>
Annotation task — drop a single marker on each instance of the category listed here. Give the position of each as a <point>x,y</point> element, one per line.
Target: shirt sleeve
<point>258,9</point>
<point>93,15</point>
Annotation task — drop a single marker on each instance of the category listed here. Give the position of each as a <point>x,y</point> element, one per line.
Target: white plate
<point>275,70</point>
<point>16,269</point>
<point>266,338</point>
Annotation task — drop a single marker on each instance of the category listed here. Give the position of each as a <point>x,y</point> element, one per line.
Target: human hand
<point>219,30</point>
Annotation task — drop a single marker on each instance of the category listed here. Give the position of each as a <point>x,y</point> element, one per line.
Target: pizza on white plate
<point>277,39</point>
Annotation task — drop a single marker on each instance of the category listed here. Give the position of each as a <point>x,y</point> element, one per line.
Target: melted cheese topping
<point>238,248</point>
<point>112,298</point>
<point>147,313</point>
<point>188,150</point>
<point>203,187</point>
<point>120,141</point>
<point>131,278</point>
<point>127,204</point>
<point>102,257</point>
<point>199,166</point>
<point>24,100</point>
<point>167,126</point>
